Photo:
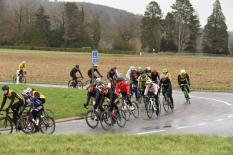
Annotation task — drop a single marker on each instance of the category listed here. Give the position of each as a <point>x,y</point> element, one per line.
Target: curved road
<point>208,114</point>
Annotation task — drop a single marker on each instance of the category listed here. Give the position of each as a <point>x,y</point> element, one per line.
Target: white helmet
<point>182,71</point>
<point>98,80</point>
<point>23,62</point>
<point>148,68</point>
<point>27,92</point>
<point>133,68</point>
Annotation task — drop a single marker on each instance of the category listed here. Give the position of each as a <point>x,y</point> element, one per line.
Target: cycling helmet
<point>95,65</point>
<point>98,80</point>
<point>133,68</point>
<point>165,70</point>
<point>23,62</point>
<point>119,79</point>
<point>148,68</point>
<point>162,77</point>
<point>182,71</point>
<point>5,87</point>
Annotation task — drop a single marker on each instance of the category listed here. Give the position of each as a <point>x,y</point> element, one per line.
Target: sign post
<point>95,58</point>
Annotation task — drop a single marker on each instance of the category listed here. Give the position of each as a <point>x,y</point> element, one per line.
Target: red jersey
<point>122,87</point>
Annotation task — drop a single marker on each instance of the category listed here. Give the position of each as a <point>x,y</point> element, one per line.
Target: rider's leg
<point>15,108</point>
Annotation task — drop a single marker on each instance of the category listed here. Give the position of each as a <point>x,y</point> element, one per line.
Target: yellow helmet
<point>165,70</point>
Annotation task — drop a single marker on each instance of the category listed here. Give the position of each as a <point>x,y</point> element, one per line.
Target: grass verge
<point>63,102</point>
<point>112,144</point>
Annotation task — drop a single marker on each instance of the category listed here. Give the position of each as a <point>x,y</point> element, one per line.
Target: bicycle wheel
<point>26,124</point>
<point>92,119</point>
<point>121,118</point>
<point>23,79</point>
<point>150,109</point>
<point>136,109</point>
<point>6,126</point>
<point>49,113</point>
<point>14,79</point>
<point>166,105</point>
<point>47,125</point>
<point>79,85</point>
<point>106,120</point>
<point>71,84</point>
<point>127,112</point>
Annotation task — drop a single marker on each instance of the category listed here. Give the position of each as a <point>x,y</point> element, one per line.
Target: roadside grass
<point>115,144</point>
<point>63,102</point>
<point>206,73</point>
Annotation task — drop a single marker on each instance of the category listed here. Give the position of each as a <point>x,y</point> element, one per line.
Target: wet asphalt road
<point>208,114</point>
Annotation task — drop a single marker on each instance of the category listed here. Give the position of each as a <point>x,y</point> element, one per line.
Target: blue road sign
<point>95,57</point>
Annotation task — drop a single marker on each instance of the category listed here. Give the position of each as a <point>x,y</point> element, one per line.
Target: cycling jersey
<point>22,67</point>
<point>14,98</point>
<point>183,79</point>
<point>89,73</point>
<point>112,75</point>
<point>74,71</point>
<point>142,81</point>
<point>122,87</point>
<point>151,88</point>
<point>155,77</point>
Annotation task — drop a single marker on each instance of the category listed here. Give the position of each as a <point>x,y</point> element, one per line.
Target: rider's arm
<point>98,73</point>
<point>146,91</point>
<point>188,79</point>
<point>139,82</point>
<point>179,80</point>
<point>13,96</point>
<point>108,76</point>
<point>3,102</point>
<point>80,73</point>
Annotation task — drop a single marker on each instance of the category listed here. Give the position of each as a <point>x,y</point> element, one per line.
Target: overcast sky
<point>204,7</point>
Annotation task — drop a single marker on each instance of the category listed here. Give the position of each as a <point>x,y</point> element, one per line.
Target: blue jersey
<point>36,102</point>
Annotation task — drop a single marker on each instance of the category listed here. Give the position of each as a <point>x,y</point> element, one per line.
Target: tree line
<point>26,24</point>
<point>180,30</point>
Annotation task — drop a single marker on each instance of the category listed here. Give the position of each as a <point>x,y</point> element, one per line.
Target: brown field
<point>207,73</point>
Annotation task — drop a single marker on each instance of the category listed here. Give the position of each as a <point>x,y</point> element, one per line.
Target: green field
<point>63,102</point>
<point>111,144</point>
<point>206,73</point>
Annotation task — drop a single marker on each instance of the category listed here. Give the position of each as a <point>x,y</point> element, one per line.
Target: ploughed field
<point>207,73</point>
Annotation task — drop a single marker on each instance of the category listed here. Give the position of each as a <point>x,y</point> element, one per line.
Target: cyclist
<point>183,80</point>
<point>34,98</point>
<point>131,68</point>
<point>35,94</point>
<point>167,74</point>
<point>147,70</point>
<point>152,89</point>
<point>73,73</point>
<point>124,89</point>
<point>109,93</point>
<point>22,70</point>
<point>112,75</point>
<point>134,82</point>
<point>95,93</point>
<point>16,102</point>
<point>155,76</point>
<point>95,69</point>
<point>166,86</point>
<point>142,82</point>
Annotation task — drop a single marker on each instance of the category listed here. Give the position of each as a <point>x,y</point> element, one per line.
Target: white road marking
<point>219,120</point>
<point>182,127</point>
<point>202,124</point>
<point>150,132</point>
<point>227,103</point>
<point>230,116</point>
